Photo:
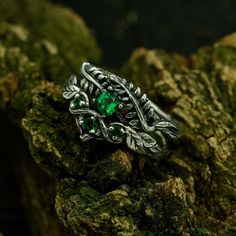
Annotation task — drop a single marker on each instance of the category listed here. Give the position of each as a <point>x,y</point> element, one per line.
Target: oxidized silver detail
<point>144,127</point>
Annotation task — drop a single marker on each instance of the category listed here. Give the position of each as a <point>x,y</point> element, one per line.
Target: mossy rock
<point>92,188</point>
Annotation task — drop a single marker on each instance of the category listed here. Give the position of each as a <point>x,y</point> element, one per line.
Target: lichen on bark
<point>199,93</point>
<point>100,189</point>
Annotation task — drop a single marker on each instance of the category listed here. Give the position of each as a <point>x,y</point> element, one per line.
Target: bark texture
<point>93,188</point>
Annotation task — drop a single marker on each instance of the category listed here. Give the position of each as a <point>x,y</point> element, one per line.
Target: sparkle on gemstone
<point>90,125</point>
<point>107,103</point>
<point>75,103</point>
<point>116,131</point>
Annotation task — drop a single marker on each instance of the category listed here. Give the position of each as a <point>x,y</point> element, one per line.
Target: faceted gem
<point>116,131</point>
<point>75,103</point>
<point>107,103</point>
<point>90,125</point>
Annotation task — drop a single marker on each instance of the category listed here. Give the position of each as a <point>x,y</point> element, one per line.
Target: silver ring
<point>108,107</point>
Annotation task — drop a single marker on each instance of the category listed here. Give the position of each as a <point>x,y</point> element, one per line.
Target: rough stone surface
<point>199,92</point>
<point>40,44</point>
<point>98,189</point>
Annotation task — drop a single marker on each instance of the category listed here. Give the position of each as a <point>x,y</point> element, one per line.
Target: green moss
<point>54,38</point>
<point>226,55</point>
<point>38,48</point>
<point>199,232</point>
<point>204,113</point>
<point>202,59</point>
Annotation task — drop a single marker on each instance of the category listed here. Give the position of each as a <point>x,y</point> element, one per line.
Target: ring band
<point>107,107</point>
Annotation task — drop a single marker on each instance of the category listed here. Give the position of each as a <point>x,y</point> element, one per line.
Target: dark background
<point>120,26</point>
<point>174,25</point>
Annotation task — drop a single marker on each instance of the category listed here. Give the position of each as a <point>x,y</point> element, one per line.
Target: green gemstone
<point>117,131</point>
<point>107,103</point>
<point>90,124</point>
<point>75,103</point>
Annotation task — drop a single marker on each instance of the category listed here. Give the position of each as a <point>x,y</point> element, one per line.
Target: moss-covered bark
<point>200,94</point>
<point>38,42</point>
<point>100,189</point>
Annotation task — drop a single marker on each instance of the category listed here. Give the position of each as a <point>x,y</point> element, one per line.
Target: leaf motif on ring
<point>70,91</point>
<point>133,140</point>
<point>72,80</point>
<point>148,141</point>
<point>156,148</point>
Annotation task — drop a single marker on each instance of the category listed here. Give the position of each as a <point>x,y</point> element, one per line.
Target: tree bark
<point>75,188</point>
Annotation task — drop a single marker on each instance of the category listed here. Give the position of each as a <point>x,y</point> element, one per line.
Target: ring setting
<point>108,107</point>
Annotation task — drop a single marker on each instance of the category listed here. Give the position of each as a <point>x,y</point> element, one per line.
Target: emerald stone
<point>107,103</point>
<point>90,125</point>
<point>75,103</point>
<point>116,131</point>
